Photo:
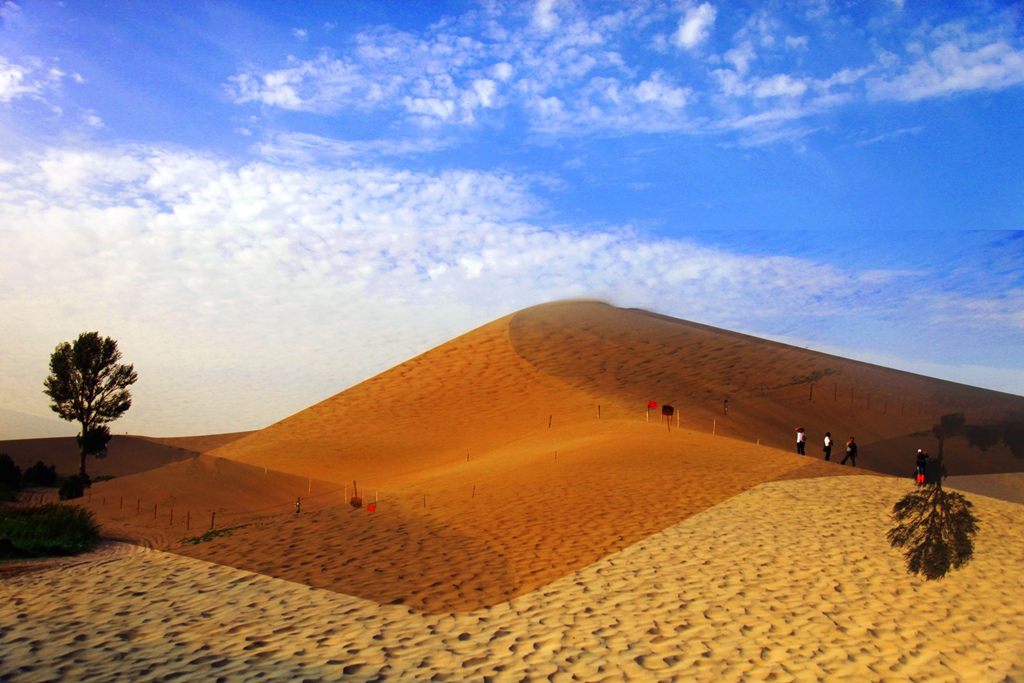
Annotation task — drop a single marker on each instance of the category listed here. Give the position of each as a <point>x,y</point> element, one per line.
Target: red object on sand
<point>652,404</point>
<point>372,507</point>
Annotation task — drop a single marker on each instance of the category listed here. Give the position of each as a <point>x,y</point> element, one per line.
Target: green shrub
<point>74,486</point>
<point>51,529</point>
<point>39,475</point>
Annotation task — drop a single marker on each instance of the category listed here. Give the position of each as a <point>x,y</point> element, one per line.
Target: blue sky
<point>268,202</point>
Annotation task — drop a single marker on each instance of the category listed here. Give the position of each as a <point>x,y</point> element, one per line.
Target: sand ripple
<point>789,581</point>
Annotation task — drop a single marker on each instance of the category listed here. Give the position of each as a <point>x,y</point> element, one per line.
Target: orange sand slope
<point>520,452</point>
<point>561,361</point>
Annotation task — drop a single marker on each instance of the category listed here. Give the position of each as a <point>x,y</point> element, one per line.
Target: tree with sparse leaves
<point>88,385</point>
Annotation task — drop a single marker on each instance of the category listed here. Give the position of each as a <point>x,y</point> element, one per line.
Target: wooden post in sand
<point>599,412</point>
<point>138,505</point>
<point>213,515</point>
<point>648,412</point>
<point>678,412</point>
<point>759,442</point>
<point>154,510</point>
<point>172,517</point>
<point>474,491</point>
<point>550,417</point>
<point>188,519</point>
<point>424,500</point>
<point>714,427</point>
<point>376,499</point>
<point>309,489</point>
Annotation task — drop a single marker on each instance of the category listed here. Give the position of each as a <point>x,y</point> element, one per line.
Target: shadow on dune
<point>935,527</point>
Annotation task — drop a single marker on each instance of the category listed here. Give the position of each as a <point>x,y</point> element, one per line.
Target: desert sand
<point>791,580</point>
<point>533,521</point>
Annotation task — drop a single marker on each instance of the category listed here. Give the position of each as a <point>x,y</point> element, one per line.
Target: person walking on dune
<point>801,440</point>
<point>851,452</point>
<point>827,448</point>
<point>922,465</point>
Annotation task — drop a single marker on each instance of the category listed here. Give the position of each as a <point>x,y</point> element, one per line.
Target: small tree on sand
<point>89,386</point>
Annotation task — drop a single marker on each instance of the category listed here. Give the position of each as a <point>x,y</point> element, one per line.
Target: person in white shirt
<point>827,448</point>
<point>801,440</point>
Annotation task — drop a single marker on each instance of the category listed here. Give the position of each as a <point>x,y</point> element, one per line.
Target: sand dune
<point>787,581</point>
<point>531,523</point>
<point>516,454</point>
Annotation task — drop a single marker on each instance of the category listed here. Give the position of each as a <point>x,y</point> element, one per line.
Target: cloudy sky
<point>267,202</point>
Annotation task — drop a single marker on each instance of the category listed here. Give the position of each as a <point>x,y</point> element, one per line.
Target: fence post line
<point>213,515</point>
<point>714,427</point>
<point>172,517</point>
<point>138,505</point>
<point>188,519</point>
<point>154,510</point>
<point>550,417</point>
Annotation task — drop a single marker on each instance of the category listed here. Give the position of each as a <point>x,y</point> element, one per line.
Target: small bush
<point>211,534</point>
<point>74,486</point>
<point>51,529</point>
<point>10,474</point>
<point>40,475</point>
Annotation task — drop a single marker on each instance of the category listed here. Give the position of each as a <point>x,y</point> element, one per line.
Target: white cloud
<point>741,56</point>
<point>695,26</point>
<point>780,85</point>
<point>222,282</point>
<point>567,73</point>
<point>952,68</point>
<point>322,85</point>
<point>300,33</point>
<point>544,16</point>
<point>798,43</point>
<point>892,135</point>
<point>30,79</point>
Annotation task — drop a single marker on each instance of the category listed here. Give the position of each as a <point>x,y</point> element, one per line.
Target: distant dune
<point>125,454</point>
<point>18,425</point>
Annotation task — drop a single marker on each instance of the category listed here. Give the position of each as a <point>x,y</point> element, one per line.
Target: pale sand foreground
<point>791,580</point>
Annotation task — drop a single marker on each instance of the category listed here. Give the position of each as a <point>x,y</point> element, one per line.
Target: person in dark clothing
<point>827,447</point>
<point>801,440</point>
<point>922,464</point>
<point>851,452</point>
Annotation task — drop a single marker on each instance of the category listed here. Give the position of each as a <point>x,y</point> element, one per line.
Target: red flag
<point>652,404</point>
<point>372,507</point>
